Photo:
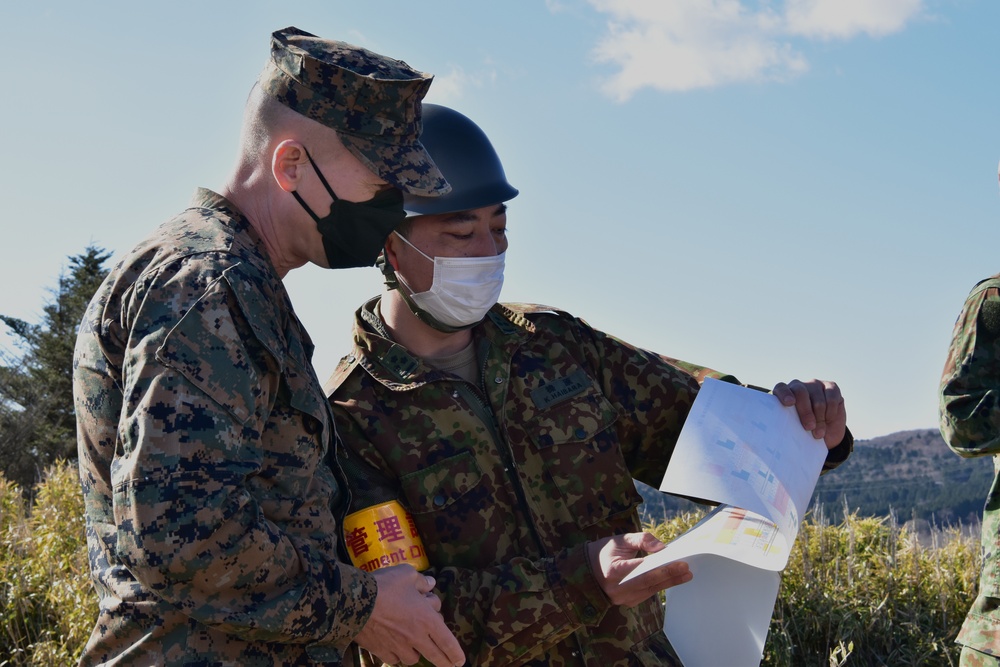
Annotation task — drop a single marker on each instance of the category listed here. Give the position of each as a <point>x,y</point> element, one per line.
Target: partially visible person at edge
<point>970,423</point>
<point>512,433</point>
<point>203,429</point>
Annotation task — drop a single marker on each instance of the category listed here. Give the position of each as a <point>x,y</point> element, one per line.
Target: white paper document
<point>741,448</point>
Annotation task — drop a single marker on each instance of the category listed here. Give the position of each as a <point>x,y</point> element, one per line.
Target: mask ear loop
<point>407,242</point>
<point>322,179</point>
<point>393,281</point>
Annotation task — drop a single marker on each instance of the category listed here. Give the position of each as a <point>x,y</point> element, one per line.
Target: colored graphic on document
<point>745,465</point>
<point>748,530</point>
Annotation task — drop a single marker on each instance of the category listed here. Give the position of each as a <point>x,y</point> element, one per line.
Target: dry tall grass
<point>47,605</point>
<point>864,592</point>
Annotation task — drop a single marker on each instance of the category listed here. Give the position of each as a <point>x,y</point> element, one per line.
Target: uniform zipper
<point>474,397</point>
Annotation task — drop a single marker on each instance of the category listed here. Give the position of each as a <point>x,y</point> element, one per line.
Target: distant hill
<point>911,473</point>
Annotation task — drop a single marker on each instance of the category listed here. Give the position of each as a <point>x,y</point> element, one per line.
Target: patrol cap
<point>372,101</point>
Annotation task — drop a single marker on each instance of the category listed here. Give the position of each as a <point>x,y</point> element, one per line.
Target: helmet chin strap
<point>392,282</point>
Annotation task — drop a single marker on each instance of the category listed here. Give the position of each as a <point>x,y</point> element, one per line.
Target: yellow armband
<point>383,535</point>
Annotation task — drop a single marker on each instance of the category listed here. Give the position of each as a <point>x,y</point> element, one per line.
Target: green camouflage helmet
<point>372,101</point>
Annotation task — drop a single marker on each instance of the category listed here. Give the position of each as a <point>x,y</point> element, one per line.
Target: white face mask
<point>463,289</point>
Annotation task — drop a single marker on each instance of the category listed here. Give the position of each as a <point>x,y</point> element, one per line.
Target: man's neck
<point>419,338</point>
<point>260,213</point>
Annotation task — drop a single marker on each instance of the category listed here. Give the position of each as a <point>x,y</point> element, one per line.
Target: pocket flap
<point>438,486</point>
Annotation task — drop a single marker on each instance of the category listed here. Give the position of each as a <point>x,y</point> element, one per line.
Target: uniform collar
<point>394,366</point>
<point>241,239</point>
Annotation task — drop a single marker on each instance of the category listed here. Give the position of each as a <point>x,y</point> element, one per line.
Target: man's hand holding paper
<point>612,559</point>
<point>820,407</point>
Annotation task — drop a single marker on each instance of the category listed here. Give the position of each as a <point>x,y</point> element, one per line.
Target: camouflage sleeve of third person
<point>970,383</point>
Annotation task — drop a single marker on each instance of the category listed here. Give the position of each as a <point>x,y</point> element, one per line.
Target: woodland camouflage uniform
<point>507,481</point>
<point>970,424</point>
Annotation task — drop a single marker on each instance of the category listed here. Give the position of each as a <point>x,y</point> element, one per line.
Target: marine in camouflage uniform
<point>202,436</point>
<point>512,471</point>
<point>970,424</point>
<point>203,430</point>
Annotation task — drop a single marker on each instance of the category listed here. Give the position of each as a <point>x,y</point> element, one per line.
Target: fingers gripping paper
<point>743,449</point>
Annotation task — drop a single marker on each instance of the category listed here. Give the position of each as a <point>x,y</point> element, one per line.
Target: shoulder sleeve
<point>207,347</point>
<point>969,392</point>
<point>652,392</point>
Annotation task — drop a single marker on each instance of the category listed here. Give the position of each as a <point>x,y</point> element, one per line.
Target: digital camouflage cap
<point>372,101</point>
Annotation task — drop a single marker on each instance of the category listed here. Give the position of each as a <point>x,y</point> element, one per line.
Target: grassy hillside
<point>912,473</point>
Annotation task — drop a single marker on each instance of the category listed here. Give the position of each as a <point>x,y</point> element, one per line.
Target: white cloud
<point>677,45</point>
<point>843,19</point>
<point>450,87</point>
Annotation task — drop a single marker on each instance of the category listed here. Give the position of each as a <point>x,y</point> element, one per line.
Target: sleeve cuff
<point>839,454</point>
<point>359,590</point>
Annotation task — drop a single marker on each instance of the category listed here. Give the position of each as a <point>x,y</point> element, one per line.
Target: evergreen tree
<point>37,421</point>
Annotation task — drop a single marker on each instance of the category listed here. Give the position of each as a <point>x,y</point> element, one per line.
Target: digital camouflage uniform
<point>202,437</point>
<point>970,424</point>
<point>507,481</point>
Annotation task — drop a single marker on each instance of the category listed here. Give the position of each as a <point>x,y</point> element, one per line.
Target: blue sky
<point>798,188</point>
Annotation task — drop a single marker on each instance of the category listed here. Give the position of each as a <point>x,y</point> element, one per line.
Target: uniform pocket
<point>578,420</point>
<point>580,453</point>
<point>654,650</point>
<point>439,486</point>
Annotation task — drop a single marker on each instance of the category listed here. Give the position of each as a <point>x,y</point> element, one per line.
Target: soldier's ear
<point>287,163</point>
<point>390,250</point>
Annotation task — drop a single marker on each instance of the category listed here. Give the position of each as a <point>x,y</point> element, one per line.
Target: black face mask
<point>355,232</point>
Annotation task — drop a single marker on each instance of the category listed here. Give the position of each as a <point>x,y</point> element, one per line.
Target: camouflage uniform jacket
<point>203,433</point>
<point>507,481</point>
<point>970,424</point>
